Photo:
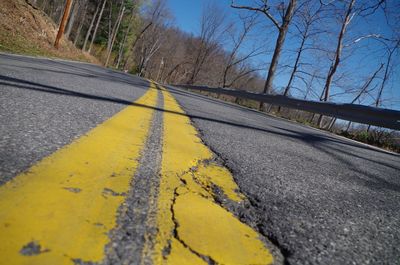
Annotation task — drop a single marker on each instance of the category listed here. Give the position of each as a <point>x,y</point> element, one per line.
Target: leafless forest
<point>341,51</point>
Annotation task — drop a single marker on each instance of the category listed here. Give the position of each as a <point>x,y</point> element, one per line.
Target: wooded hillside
<point>25,29</point>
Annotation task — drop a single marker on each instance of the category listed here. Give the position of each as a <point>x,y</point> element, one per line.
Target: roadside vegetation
<point>339,51</point>
<point>27,30</point>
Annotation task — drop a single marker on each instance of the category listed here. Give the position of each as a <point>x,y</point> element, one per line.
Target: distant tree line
<point>139,36</point>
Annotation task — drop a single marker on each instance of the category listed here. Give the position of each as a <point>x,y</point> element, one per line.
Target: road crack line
<point>207,259</point>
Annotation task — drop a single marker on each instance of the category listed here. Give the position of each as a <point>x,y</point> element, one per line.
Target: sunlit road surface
<point>101,167</point>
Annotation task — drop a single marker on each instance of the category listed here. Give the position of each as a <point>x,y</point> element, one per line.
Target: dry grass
<point>27,30</point>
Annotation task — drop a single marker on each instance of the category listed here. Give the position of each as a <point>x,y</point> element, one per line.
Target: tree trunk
<point>224,78</point>
<point>137,39</point>
<point>122,46</point>
<point>118,23</point>
<point>196,67</point>
<point>110,30</point>
<point>71,20</point>
<point>278,48</point>
<point>62,23</point>
<point>274,62</point>
<point>97,25</point>
<point>338,54</point>
<point>113,29</point>
<point>348,126</point>
<point>90,28</point>
<point>296,64</point>
<point>385,76</point>
<point>78,32</point>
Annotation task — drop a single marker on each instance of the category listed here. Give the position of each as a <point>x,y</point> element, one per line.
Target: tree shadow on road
<point>306,137</point>
<point>320,141</point>
<point>78,69</point>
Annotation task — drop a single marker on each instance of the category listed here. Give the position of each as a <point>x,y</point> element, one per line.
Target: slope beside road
<point>133,173</point>
<point>25,29</point>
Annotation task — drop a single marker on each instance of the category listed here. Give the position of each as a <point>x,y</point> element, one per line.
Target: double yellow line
<point>61,209</point>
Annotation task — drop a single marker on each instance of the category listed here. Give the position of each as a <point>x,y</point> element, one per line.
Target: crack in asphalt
<point>246,211</point>
<point>207,259</point>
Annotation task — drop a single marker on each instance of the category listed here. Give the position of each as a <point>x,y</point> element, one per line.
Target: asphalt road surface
<point>309,196</point>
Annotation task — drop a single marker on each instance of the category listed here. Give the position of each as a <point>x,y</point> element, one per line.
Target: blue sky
<point>187,15</point>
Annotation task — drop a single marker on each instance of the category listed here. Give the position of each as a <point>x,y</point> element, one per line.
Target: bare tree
<point>235,58</point>
<point>113,23</point>
<point>241,72</point>
<point>81,23</point>
<point>126,33</point>
<point>350,12</point>
<point>282,27</point>
<point>90,27</point>
<point>339,47</point>
<point>338,53</point>
<point>150,39</point>
<point>150,44</point>
<point>72,17</point>
<point>390,52</point>
<point>114,32</point>
<point>97,25</point>
<point>308,17</point>
<point>212,28</point>
<point>153,16</point>
<point>309,14</point>
<point>362,90</point>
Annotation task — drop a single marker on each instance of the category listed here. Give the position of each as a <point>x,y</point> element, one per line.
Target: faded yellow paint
<point>190,223</point>
<point>216,233</point>
<point>67,203</point>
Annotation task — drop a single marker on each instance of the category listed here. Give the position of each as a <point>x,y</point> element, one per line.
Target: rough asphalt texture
<point>46,104</point>
<point>320,198</point>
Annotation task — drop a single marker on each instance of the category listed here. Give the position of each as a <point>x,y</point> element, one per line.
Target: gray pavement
<point>46,104</point>
<point>320,198</point>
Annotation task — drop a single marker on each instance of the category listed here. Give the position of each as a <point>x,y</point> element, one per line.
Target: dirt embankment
<point>25,29</point>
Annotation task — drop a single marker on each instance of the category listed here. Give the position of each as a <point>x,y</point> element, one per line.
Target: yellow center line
<point>62,208</point>
<point>192,227</point>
